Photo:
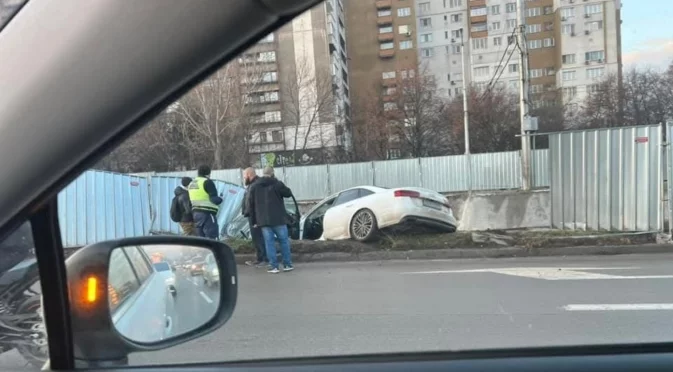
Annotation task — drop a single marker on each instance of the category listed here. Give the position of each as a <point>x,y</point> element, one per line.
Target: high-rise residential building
<point>300,96</point>
<point>571,43</point>
<point>381,47</point>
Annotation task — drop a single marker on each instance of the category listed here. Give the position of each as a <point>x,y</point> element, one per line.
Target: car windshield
<point>162,266</point>
<point>546,125</point>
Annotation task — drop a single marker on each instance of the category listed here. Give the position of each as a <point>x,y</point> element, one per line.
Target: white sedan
<point>360,212</point>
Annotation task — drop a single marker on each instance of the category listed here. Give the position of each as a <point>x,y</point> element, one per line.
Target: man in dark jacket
<point>249,177</point>
<point>182,193</point>
<point>267,210</point>
<point>205,204</point>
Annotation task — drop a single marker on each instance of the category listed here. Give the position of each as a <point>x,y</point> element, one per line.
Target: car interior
<point>85,76</point>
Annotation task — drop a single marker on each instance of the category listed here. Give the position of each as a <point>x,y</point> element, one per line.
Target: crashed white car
<point>360,212</point>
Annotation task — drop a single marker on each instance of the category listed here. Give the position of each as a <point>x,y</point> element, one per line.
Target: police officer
<point>205,204</point>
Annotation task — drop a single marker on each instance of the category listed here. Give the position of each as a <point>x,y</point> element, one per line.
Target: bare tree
<point>371,134</point>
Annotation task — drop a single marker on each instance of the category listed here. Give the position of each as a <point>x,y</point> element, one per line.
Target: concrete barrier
<point>503,210</point>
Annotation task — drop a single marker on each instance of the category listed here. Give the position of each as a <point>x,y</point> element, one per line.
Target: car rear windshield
<point>162,266</point>
<point>9,8</point>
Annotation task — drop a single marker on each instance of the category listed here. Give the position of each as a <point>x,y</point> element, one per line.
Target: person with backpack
<point>181,208</point>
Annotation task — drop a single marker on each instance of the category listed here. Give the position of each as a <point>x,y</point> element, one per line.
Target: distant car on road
<point>360,212</point>
<point>211,274</point>
<point>140,304</point>
<point>196,268</point>
<point>166,271</point>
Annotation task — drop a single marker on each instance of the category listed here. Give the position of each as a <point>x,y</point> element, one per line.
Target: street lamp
<point>466,115</point>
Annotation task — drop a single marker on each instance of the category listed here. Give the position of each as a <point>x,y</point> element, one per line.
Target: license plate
<point>432,204</point>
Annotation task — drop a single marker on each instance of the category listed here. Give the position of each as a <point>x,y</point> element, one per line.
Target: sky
<point>647,33</point>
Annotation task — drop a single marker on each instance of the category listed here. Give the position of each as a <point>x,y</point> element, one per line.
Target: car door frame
<point>293,226</point>
<point>312,211</point>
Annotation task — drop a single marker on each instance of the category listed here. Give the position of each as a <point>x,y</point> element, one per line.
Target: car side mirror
<point>123,301</point>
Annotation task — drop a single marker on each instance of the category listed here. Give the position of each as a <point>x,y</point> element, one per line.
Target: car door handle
<point>349,205</point>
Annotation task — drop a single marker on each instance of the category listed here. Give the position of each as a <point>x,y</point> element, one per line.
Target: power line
<point>496,76</point>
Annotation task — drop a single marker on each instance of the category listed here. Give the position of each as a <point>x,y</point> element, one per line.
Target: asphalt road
<point>351,308</point>
<point>195,303</point>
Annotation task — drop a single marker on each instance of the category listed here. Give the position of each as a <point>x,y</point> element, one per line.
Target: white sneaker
<point>273,271</point>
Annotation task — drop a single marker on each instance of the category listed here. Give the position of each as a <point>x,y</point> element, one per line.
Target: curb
<point>457,253</point>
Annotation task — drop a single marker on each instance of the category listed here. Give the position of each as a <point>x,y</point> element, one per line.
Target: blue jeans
<point>206,225</point>
<point>270,234</point>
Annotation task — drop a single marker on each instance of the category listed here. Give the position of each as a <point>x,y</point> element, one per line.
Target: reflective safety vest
<point>199,197</point>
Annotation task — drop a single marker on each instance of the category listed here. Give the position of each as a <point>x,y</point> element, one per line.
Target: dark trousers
<point>258,242</point>
<point>206,225</point>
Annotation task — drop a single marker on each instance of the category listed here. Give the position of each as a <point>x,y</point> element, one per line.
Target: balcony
<point>478,19</point>
<point>476,3</point>
<point>389,82</point>
<point>383,4</point>
<point>388,53</point>
<point>388,36</point>
<point>382,21</point>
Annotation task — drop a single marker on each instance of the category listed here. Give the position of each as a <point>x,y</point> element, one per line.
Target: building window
<point>394,154</point>
<point>481,71</point>
<point>406,44</point>
<point>404,12</point>
<point>511,23</point>
<point>514,84</point>
<point>533,12</point>
<point>262,137</point>
<point>568,29</point>
<point>569,75</point>
<point>389,106</point>
<point>270,77</point>
<point>569,92</point>
<point>548,10</point>
<point>549,26</point>
<point>536,88</point>
<point>497,41</point>
<point>456,49</point>
<point>424,7</point>
<point>388,75</point>
<point>594,56</point>
<point>549,71</point>
<point>455,18</point>
<point>481,11</point>
<point>480,43</point>
<point>408,74</point>
<point>386,46</point>
<point>403,29</point>
<point>384,13</point>
<point>513,67</point>
<point>267,39</point>
<point>593,9</point>
<point>272,116</point>
<point>476,27</point>
<point>426,22</point>
<point>495,9</point>
<point>510,7</point>
<point>276,136</point>
<point>426,38</point>
<point>389,91</point>
<point>536,73</point>
<point>548,42</point>
<point>455,34</point>
<point>568,59</point>
<point>426,52</point>
<point>593,88</point>
<point>567,12</point>
<point>534,44</point>
<point>266,57</point>
<point>455,3</point>
<point>594,25</point>
<point>531,29</point>
<point>495,26</point>
<point>595,73</point>
<point>385,29</point>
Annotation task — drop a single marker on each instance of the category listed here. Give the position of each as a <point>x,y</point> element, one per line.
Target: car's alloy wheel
<point>363,226</point>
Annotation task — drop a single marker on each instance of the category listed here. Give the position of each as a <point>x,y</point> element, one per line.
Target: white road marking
<point>553,273</point>
<point>205,297</point>
<point>617,307</point>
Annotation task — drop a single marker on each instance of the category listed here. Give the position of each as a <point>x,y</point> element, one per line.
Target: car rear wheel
<point>363,226</point>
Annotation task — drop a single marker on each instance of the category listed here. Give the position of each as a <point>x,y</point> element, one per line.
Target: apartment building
<point>300,100</point>
<point>381,47</point>
<point>571,44</point>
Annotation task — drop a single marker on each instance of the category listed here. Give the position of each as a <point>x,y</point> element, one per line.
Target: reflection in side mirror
<point>150,302</point>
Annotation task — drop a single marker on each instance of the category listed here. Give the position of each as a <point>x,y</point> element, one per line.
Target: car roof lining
<point>70,103</point>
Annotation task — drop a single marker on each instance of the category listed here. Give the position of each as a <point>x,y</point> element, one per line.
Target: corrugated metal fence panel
<point>397,173</point>
<point>232,201</point>
<point>445,173</point>
<point>309,182</point>
<point>233,176</point>
<point>496,170</point>
<point>189,173</point>
<point>540,168</point>
<point>607,179</point>
<point>100,206</point>
<point>344,176</point>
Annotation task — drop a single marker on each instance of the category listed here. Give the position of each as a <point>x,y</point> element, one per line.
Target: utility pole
<point>523,93</point>
<point>466,114</point>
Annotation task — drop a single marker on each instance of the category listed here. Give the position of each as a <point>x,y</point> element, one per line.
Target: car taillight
<point>407,193</point>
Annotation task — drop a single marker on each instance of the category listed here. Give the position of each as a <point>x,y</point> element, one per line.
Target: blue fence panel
<point>308,183</point>
<point>345,176</point>
<point>397,173</point>
<point>100,206</point>
<point>496,170</point>
<point>445,173</point>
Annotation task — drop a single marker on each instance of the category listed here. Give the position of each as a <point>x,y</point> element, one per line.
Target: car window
<point>123,282</point>
<point>365,192</point>
<point>8,9</point>
<point>347,196</point>
<point>140,264</point>
<point>162,266</point>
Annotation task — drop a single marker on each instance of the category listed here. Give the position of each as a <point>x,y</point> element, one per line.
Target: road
<point>349,308</point>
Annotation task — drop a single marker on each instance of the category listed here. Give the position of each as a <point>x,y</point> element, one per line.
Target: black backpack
<point>176,209</point>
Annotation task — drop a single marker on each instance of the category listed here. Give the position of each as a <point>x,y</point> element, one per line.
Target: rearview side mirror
<point>124,296</point>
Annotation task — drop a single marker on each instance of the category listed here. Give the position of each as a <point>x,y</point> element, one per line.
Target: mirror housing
<point>96,341</point>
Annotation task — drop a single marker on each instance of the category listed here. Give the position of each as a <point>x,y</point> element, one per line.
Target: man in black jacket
<point>267,210</point>
<point>249,177</point>
<point>182,194</point>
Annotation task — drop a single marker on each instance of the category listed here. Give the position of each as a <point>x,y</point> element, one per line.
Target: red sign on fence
<point>642,139</point>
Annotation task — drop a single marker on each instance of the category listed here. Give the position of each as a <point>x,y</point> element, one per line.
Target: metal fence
<point>489,171</point>
<point>607,179</point>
